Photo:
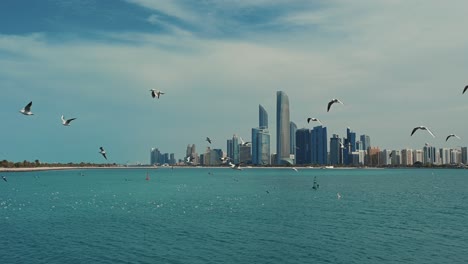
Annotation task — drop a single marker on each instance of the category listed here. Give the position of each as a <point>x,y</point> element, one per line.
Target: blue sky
<point>395,65</point>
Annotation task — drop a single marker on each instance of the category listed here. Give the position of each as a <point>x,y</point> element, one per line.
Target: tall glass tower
<point>336,150</point>
<point>319,145</point>
<point>292,137</point>
<point>262,117</point>
<point>303,146</point>
<point>282,128</point>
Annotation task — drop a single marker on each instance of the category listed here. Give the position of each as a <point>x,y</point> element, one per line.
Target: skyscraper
<point>235,150</point>
<point>262,117</point>
<point>350,145</point>
<point>260,146</point>
<point>365,141</point>
<point>319,146</point>
<point>303,146</point>
<point>282,129</point>
<point>292,137</point>
<point>229,148</point>
<point>336,150</point>
<point>464,155</point>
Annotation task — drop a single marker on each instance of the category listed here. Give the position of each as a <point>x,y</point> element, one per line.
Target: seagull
<point>338,195</point>
<point>464,90</point>
<point>235,167</point>
<point>314,119</point>
<point>451,135</point>
<point>27,109</point>
<point>294,169</point>
<point>208,139</point>
<point>67,122</point>
<point>155,93</point>
<point>243,143</point>
<point>422,128</point>
<point>4,178</point>
<point>332,102</point>
<point>103,152</point>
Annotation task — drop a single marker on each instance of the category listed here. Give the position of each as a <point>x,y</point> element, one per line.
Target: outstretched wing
<point>329,105</point>
<point>464,90</point>
<point>414,130</point>
<point>308,120</point>
<point>27,108</point>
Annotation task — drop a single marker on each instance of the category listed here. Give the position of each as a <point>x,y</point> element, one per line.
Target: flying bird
<point>4,178</point>
<point>243,143</point>
<point>464,90</point>
<point>332,102</point>
<point>27,109</point>
<point>67,122</point>
<point>103,152</point>
<point>451,135</point>
<point>422,128</point>
<point>208,139</point>
<point>155,93</point>
<point>294,169</point>
<point>314,119</point>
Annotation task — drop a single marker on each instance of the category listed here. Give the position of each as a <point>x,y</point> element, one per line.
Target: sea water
<point>202,215</point>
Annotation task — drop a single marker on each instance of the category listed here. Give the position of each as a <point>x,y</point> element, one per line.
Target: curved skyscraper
<point>282,128</point>
<point>262,117</point>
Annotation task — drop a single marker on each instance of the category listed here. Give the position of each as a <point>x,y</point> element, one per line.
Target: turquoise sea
<point>201,215</point>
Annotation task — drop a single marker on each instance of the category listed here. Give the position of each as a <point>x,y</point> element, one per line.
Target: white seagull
<point>422,128</point>
<point>67,122</point>
<point>103,152</point>
<point>235,167</point>
<point>155,93</point>
<point>243,143</point>
<point>313,119</point>
<point>294,169</point>
<point>27,109</point>
<point>451,135</point>
<point>332,102</point>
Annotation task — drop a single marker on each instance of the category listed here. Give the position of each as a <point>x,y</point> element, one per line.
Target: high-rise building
<point>350,145</point>
<point>336,150</point>
<point>385,158</point>
<point>260,146</point>
<point>444,156</point>
<point>229,148</point>
<point>407,157</point>
<point>430,156</point>
<point>464,155</point>
<point>235,149</point>
<point>155,156</point>
<point>292,140</point>
<point>283,149</point>
<point>245,155</point>
<point>418,156</point>
<point>319,145</point>
<point>303,142</point>
<point>365,141</point>
<point>373,156</point>
<point>396,158</point>
<point>172,159</point>
<point>262,117</point>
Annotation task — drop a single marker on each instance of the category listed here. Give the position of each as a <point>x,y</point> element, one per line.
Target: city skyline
<point>96,61</point>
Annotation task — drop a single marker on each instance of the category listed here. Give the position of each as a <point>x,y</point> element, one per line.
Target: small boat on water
<point>315,186</point>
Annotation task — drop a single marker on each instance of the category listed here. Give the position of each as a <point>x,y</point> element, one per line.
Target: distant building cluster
<point>310,147</point>
<point>158,158</point>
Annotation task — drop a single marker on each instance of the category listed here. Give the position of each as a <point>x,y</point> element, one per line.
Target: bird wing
<point>69,120</point>
<point>27,108</point>
<point>430,132</point>
<point>308,120</point>
<point>339,101</point>
<point>449,136</point>
<point>457,136</point>
<point>104,154</point>
<point>329,105</point>
<point>101,148</point>
<point>63,120</point>
<point>153,94</point>
<point>414,130</point>
<point>464,90</point>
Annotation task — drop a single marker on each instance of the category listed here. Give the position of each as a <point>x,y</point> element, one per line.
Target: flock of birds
<point>156,94</point>
<point>66,122</point>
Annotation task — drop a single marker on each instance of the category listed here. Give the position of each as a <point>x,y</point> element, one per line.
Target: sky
<point>394,64</point>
